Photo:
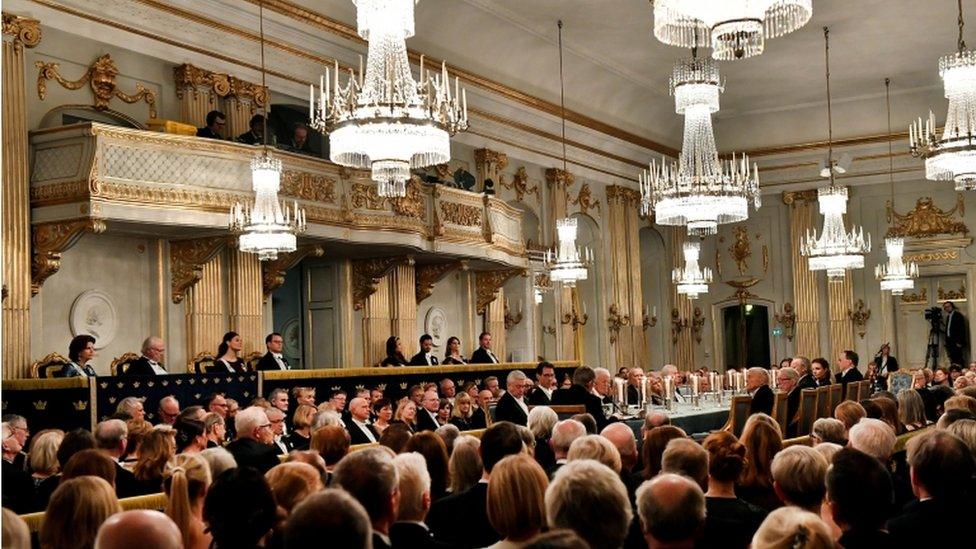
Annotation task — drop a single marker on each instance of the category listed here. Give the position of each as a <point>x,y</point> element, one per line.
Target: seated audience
<point>139,528</point>
<point>254,444</point>
<point>596,448</point>
<point>448,433</point>
<point>581,392</point>
<point>622,438</point>
<point>18,489</point>
<point>191,436</point>
<point>961,402</point>
<point>44,467</point>
<point>798,477</point>
<point>454,355</point>
<point>541,422</point>
<point>370,476</point>
<point>516,500</point>
<point>849,413</point>
<point>684,456</point>
<point>889,412</point>
<point>216,121</point>
<point>360,431</point>
<point>491,383</point>
<point>655,441</point>
<point>219,460</point>
<point>563,435</point>
<point>90,463</point>
<point>873,437</point>
<point>395,437</point>
<point>447,389</point>
<point>273,359</point>
<point>871,408</point>
<point>444,412</point>
<point>154,453</point>
<point>588,421</point>
<point>730,521</point>
<point>303,395</point>
<point>301,431</point>
<point>195,412</point>
<point>481,416</point>
<point>409,529</point>
<point>793,528</point>
<point>332,515</point>
<point>111,437</point>
<point>150,363</point>
<point>427,413</point>
<point>434,451</point>
<point>820,370</point>
<point>168,410</point>
<point>787,381</point>
<point>332,443</point>
<point>762,439</point>
<point>828,429</point>
<point>859,497</point>
<point>828,450</point>
<point>185,482</point>
<point>215,429</point>
<point>394,353</point>
<point>132,407</point>
<point>424,357</point>
<point>77,510</point>
<point>757,385</point>
<point>382,414</point>
<point>464,466</point>
<point>672,511</point>
<point>545,377</point>
<point>293,481</point>
<point>255,135</point>
<point>81,350</point>
<point>965,429</point>
<point>240,510</point>
<point>511,406</point>
<point>406,414</point>
<point>577,490</point>
<point>463,414</point>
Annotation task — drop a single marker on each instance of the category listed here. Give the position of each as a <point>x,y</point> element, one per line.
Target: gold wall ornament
<point>549,329</point>
<point>931,257</point>
<point>273,272</point>
<point>742,293</point>
<point>859,316</point>
<point>765,258</point>
<point>793,197</point>
<point>952,295</point>
<point>741,249</point>
<point>615,322</point>
<point>461,214</point>
<point>520,184</point>
<point>428,275</point>
<point>623,195</point>
<point>411,205</point>
<point>244,90</point>
<point>915,298</point>
<point>26,31</point>
<point>100,77</point>
<point>367,273</point>
<point>187,258</point>
<point>488,165</point>
<point>584,199</point>
<point>511,320</point>
<point>678,325</point>
<point>649,320</point>
<point>50,240</point>
<point>558,177</point>
<point>487,284</point>
<point>787,320</point>
<point>927,219</point>
<point>365,196</point>
<point>308,186</point>
<point>697,324</point>
<point>189,77</point>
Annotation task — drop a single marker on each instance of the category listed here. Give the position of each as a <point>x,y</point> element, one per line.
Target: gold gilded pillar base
<point>495,323</point>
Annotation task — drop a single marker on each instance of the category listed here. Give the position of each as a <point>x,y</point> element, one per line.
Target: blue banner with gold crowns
<point>49,403</point>
<point>189,390</point>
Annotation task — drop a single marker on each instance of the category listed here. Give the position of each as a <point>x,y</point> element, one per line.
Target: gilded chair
<point>49,366</point>
<point>836,395</point>
<point>200,363</point>
<point>823,402</point>
<point>864,389</point>
<point>251,361</point>
<point>565,411</point>
<point>781,409</point>
<point>853,389</point>
<point>121,365</point>
<point>739,413</point>
<point>808,411</point>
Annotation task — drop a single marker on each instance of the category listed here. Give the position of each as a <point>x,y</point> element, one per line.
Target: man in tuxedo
<point>461,520</point>
<point>581,392</point>
<point>409,530</point>
<point>273,359</point>
<point>169,410</point>
<point>111,436</point>
<point>370,476</point>
<point>802,366</point>
<point>255,135</point>
<point>545,377</point>
<point>511,406</point>
<point>483,354</point>
<point>427,412</point>
<point>563,435</point>
<point>955,333</point>
<point>216,121</point>
<point>847,362</point>
<point>150,363</point>
<point>757,385</point>
<point>360,432</point>
<point>786,382</point>
<point>277,419</point>
<point>254,446</point>
<point>329,514</point>
<point>426,356</point>
<point>635,377</point>
<point>447,389</point>
<point>603,385</point>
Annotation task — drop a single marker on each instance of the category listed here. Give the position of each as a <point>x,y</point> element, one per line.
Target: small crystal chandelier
<point>895,276</point>
<point>736,29</point>
<point>267,228</point>
<point>569,263</point>
<point>951,156</point>
<point>692,280</point>
<point>835,250</point>
<point>384,120</point>
<point>699,191</point>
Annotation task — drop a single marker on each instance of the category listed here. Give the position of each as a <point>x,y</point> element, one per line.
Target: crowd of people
<point>282,472</point>
<point>297,142</point>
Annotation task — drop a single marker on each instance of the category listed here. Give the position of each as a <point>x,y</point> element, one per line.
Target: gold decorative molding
<point>787,320</point>
<point>916,298</point>
<point>487,284</point>
<point>367,273</point>
<point>623,195</point>
<point>307,186</point>
<point>461,214</point>
<point>560,178</point>
<point>678,325</point>
<point>365,196</point>
<point>927,219</point>
<point>426,276</point>
<point>616,321</point>
<point>742,293</point>
<point>411,205</point>
<point>793,197</point>
<point>187,258</point>
<point>26,31</point>
<point>697,324</point>
<point>930,257</point>
<point>859,316</point>
<point>741,249</point>
<point>488,157</point>
<point>187,76</point>
<point>50,240</point>
<point>952,295</point>
<point>511,320</point>
<point>100,77</point>
<point>248,91</point>
<point>273,272</point>
<point>520,184</point>
<point>585,199</point>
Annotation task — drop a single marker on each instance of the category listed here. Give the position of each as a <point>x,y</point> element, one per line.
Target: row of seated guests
<point>216,121</point>
<point>425,357</point>
<point>550,484</point>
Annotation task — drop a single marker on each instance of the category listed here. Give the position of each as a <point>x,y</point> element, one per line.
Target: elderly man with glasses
<point>254,446</point>
<point>787,381</point>
<point>151,361</point>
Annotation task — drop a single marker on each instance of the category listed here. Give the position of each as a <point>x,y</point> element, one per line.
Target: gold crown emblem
<point>111,400</point>
<point>403,385</point>
<point>40,404</point>
<point>360,387</point>
<point>5,405</point>
<point>197,396</point>
<point>192,380</point>
<point>381,386</point>
<point>136,384</point>
<point>80,405</point>
<point>204,380</point>
<point>336,387</point>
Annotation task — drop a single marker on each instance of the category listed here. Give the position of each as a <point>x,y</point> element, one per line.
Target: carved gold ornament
<point>927,219</point>
<point>585,199</point>
<point>307,186</point>
<point>859,316</point>
<point>100,77</point>
<point>273,272</point>
<point>187,258</point>
<point>511,320</point>
<point>367,273</point>
<point>623,195</point>
<point>742,293</point>
<point>787,320</point>
<point>952,295</point>
<point>793,197</point>
<point>615,322</point>
<point>697,324</point>
<point>741,249</point>
<point>520,184</point>
<point>412,204</point>
<point>559,178</point>
<point>425,276</point>
<point>915,297</point>
<point>487,284</point>
<point>50,240</point>
<point>678,324</point>
<point>26,31</point>
<point>461,214</point>
<point>930,257</point>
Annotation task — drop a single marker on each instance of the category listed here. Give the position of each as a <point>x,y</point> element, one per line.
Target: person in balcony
<point>216,121</point>
<point>254,136</point>
<point>80,352</point>
<point>228,355</point>
<point>394,353</point>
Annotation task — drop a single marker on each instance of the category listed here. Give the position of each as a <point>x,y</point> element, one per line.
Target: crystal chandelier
<point>835,250</point>
<point>736,29</point>
<point>569,262</point>
<point>700,190</point>
<point>692,280</point>
<point>951,155</point>
<point>267,228</point>
<point>383,120</point>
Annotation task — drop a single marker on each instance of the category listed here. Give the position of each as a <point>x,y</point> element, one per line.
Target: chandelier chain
<point>891,161</point>
<point>562,94</point>
<point>962,23</point>
<point>264,84</point>
<point>830,119</point>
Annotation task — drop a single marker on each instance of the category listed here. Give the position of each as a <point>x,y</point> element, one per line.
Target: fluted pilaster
<point>803,214</point>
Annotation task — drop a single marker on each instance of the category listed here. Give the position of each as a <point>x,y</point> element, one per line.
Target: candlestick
<point>621,390</point>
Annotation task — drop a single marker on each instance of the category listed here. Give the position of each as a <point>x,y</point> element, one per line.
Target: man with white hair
<point>409,529</point>
<point>787,380</point>
<point>150,363</point>
<point>111,437</point>
<point>254,446</point>
<point>133,407</point>
<point>169,410</point>
<point>873,437</point>
<point>140,528</point>
<point>427,411</point>
<point>511,406</point>
<point>588,497</point>
<point>671,509</point>
<point>802,366</point>
<point>563,435</point>
<point>277,419</point>
<point>757,384</point>
<point>360,431</point>
<point>603,384</point>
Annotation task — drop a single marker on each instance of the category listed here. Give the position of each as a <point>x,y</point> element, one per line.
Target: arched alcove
<point>589,291</point>
<point>655,286</point>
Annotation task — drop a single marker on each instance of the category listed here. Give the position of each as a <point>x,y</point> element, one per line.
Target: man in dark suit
<point>847,362</point>
<point>425,357</point>
<point>150,363</point>
<point>427,411</point>
<point>254,136</point>
<point>254,446</point>
<point>18,488</point>
<point>581,392</point>
<point>859,498</point>
<point>360,432</point>
<point>461,520</point>
<point>786,382</point>
<point>545,378</point>
<point>802,366</point>
<point>273,359</point>
<point>955,333</point>
<point>483,354</point>
<point>635,377</point>
<point>511,406</point>
<point>409,531</point>
<point>215,124</point>
<point>111,436</point>
<point>757,385</point>
<point>370,476</point>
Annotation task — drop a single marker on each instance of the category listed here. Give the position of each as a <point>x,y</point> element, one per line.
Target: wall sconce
<point>513,320</point>
<point>616,321</point>
<point>678,324</point>
<point>698,324</point>
<point>649,318</point>
<point>573,317</point>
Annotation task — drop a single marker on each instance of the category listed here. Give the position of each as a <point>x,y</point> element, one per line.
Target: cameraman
<point>955,333</point>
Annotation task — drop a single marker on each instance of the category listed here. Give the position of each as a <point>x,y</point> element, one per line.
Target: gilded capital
<point>622,195</point>
<point>50,240</point>
<point>487,284</point>
<point>187,258</point>
<point>791,197</point>
<point>24,30</point>
<point>556,176</point>
<point>488,156</point>
<point>427,275</point>
<point>367,273</point>
<point>273,272</point>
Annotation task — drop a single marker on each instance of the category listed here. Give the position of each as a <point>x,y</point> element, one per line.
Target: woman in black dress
<point>394,353</point>
<point>228,355</point>
<point>454,355</point>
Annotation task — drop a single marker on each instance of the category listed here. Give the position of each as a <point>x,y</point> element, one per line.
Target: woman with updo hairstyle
<point>80,352</point>
<point>185,483</point>
<point>394,353</point>
<point>191,436</point>
<point>730,521</point>
<point>763,439</point>
<point>229,355</point>
<point>240,510</point>
<point>77,510</point>
<point>793,528</point>
<point>453,355</point>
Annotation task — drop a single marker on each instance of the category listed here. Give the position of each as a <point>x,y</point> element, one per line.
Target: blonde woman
<point>156,451</point>
<point>301,435</point>
<point>463,412</point>
<point>792,528</point>
<point>44,465</point>
<point>77,509</point>
<point>762,438</point>
<point>292,482</point>
<point>185,481</point>
<point>406,413</point>
<point>516,500</point>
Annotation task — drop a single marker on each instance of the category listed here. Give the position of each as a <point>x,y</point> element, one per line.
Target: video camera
<point>934,316</point>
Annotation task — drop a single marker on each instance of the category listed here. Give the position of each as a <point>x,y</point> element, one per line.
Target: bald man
<point>139,529</point>
<point>622,438</point>
<point>360,431</point>
<point>671,509</point>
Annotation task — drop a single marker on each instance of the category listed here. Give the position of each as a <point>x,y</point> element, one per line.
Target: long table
<point>706,419</point>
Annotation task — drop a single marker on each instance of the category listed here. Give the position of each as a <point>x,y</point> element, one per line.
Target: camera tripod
<point>932,352</point>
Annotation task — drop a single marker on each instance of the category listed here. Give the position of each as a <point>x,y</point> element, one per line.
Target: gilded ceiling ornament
<point>742,293</point>
<point>927,219</point>
<point>273,272</point>
<point>859,316</point>
<point>697,324</point>
<point>787,320</point>
<point>367,273</point>
<point>953,295</point>
<point>187,258</point>
<point>100,77</point>
<point>307,186</point>
<point>915,297</point>
<point>558,177</point>
<point>585,199</point>
<point>487,284</point>
<point>623,195</point>
<point>189,77</point>
<point>741,249</point>
<point>26,31</point>
<point>930,257</point>
<point>243,90</point>
<point>426,276</point>
<point>520,184</point>
<point>461,214</point>
<point>50,240</point>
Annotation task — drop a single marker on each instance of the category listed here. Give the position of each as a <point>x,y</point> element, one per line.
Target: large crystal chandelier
<point>569,262</point>
<point>692,280</point>
<point>951,155</point>
<point>834,250</point>
<point>266,228</point>
<point>384,120</point>
<point>700,190</point>
<point>736,29</point>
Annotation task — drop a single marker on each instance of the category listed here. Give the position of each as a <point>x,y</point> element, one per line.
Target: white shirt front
<point>365,429</point>
<point>491,355</point>
<point>427,358</point>
<point>548,392</point>
<point>156,368</point>
<point>279,360</point>
<point>521,403</point>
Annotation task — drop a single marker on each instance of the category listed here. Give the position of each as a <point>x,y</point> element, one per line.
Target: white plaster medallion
<point>435,323</point>
<point>93,313</point>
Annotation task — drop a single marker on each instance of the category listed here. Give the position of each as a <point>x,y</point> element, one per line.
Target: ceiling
<point>617,72</point>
